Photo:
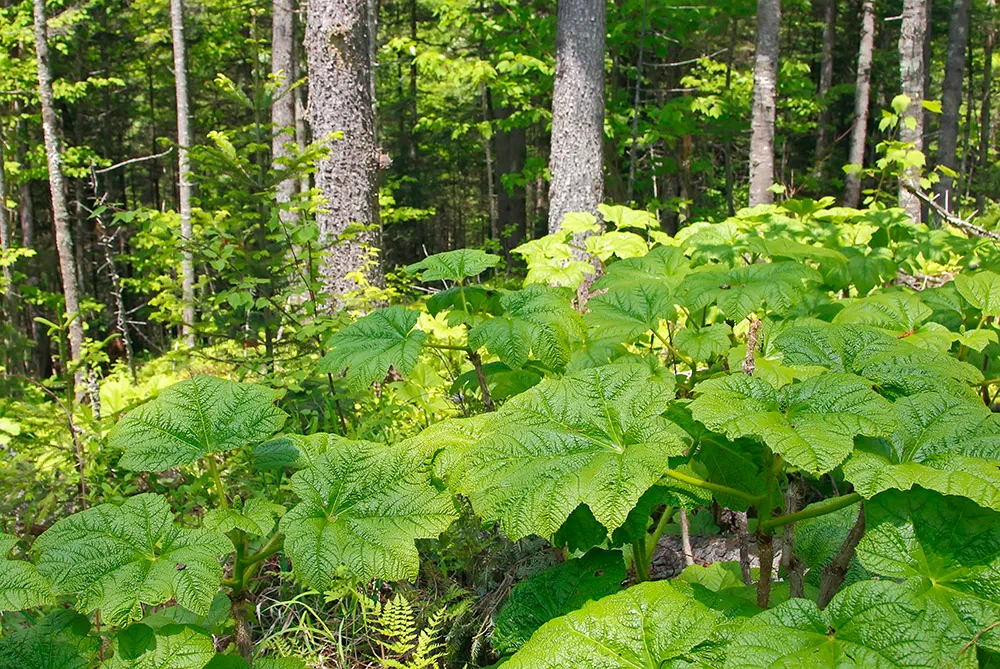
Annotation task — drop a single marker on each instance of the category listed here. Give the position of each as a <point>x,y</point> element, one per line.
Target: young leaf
<point>594,437</point>
<point>981,290</point>
<point>22,586</point>
<point>944,443</point>
<point>950,546</point>
<point>644,627</point>
<point>193,418</point>
<point>871,624</point>
<point>630,310</point>
<point>172,647</point>
<point>117,557</point>
<point>454,265</point>
<point>363,505</point>
<point>256,517</point>
<point>811,424</point>
<point>704,344</point>
<point>743,290</point>
<point>555,592</point>
<point>371,345</point>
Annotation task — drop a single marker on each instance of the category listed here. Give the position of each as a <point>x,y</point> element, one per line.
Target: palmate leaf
<point>944,443</point>
<point>902,314</point>
<point>981,290</point>
<point>595,437</point>
<point>171,647</point>
<point>896,367</point>
<point>363,505</point>
<point>22,586</point>
<point>193,418</point>
<point>555,592</point>
<point>59,641</point>
<point>117,557</point>
<point>368,347</point>
<point>812,424</point>
<point>704,344</point>
<point>868,625</point>
<point>742,290</point>
<point>454,265</point>
<point>643,627</point>
<point>255,517</point>
<point>949,546</point>
<point>537,320</point>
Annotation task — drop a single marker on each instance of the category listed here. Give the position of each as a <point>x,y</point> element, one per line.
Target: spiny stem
<point>213,471</point>
<point>714,487</point>
<point>814,511</point>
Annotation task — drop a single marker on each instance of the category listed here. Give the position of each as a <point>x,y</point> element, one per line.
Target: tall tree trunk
<point>6,242</point>
<point>283,107</point>
<point>911,70</point>
<point>951,102</point>
<point>339,51</point>
<point>512,151</point>
<point>986,108</point>
<point>825,83</point>
<point>183,169</point>
<point>862,91</point>
<point>57,187</point>
<point>576,154</point>
<point>765,86</point>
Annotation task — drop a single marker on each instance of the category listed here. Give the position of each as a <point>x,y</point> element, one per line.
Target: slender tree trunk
<point>6,242</point>
<point>339,51</point>
<point>576,155</point>
<point>911,69</point>
<point>986,108</point>
<point>511,153</point>
<point>57,187</point>
<point>862,92</point>
<point>183,169</point>
<point>765,85</point>
<point>825,83</point>
<point>283,107</point>
<point>301,114</point>
<point>951,102</point>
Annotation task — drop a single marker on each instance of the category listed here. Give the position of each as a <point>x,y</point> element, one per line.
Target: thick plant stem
<point>765,551</point>
<point>686,538</point>
<point>639,557</point>
<point>835,572</point>
<point>654,539</point>
<point>744,541</point>
<point>213,471</point>
<point>242,631</point>
<point>794,568</point>
<point>477,363</point>
<point>814,511</point>
<point>713,487</point>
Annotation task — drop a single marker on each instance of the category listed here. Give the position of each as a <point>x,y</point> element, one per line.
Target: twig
<point>978,634</point>
<point>686,538</point>
<point>743,537</point>
<point>749,363</point>
<point>105,170</point>
<point>961,224</point>
<point>835,572</point>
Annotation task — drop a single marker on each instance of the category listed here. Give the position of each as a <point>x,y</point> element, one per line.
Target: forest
<point>542,334</point>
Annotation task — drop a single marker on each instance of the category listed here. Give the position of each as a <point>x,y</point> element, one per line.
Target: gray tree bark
<point>862,93</point>
<point>911,70</point>
<point>825,83</point>
<point>339,42</point>
<point>184,185</point>
<point>765,87</point>
<point>951,102</point>
<point>986,108</point>
<point>283,107</point>
<point>576,154</point>
<point>57,187</point>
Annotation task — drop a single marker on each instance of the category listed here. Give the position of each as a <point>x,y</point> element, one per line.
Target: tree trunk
<point>8,306</point>
<point>283,107</point>
<point>338,48</point>
<point>951,102</point>
<point>576,154</point>
<point>57,187</point>
<point>986,109</point>
<point>183,169</point>
<point>862,91</point>
<point>911,70</point>
<point>825,83</point>
<point>511,153</point>
<point>765,85</point>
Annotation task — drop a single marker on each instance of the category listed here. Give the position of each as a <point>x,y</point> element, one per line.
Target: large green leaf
<point>947,544</point>
<point>368,347</point>
<point>895,366</point>
<point>811,424</point>
<point>363,505</point>
<point>869,625</point>
<point>743,290</point>
<point>944,443</point>
<point>595,437</point>
<point>171,647</point>
<point>902,314</point>
<point>536,320</point>
<point>981,290</point>
<point>703,344</point>
<point>454,265</point>
<point>117,557</point>
<point>59,641</point>
<point>555,592</point>
<point>22,586</point>
<point>645,627</point>
<point>195,417</point>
